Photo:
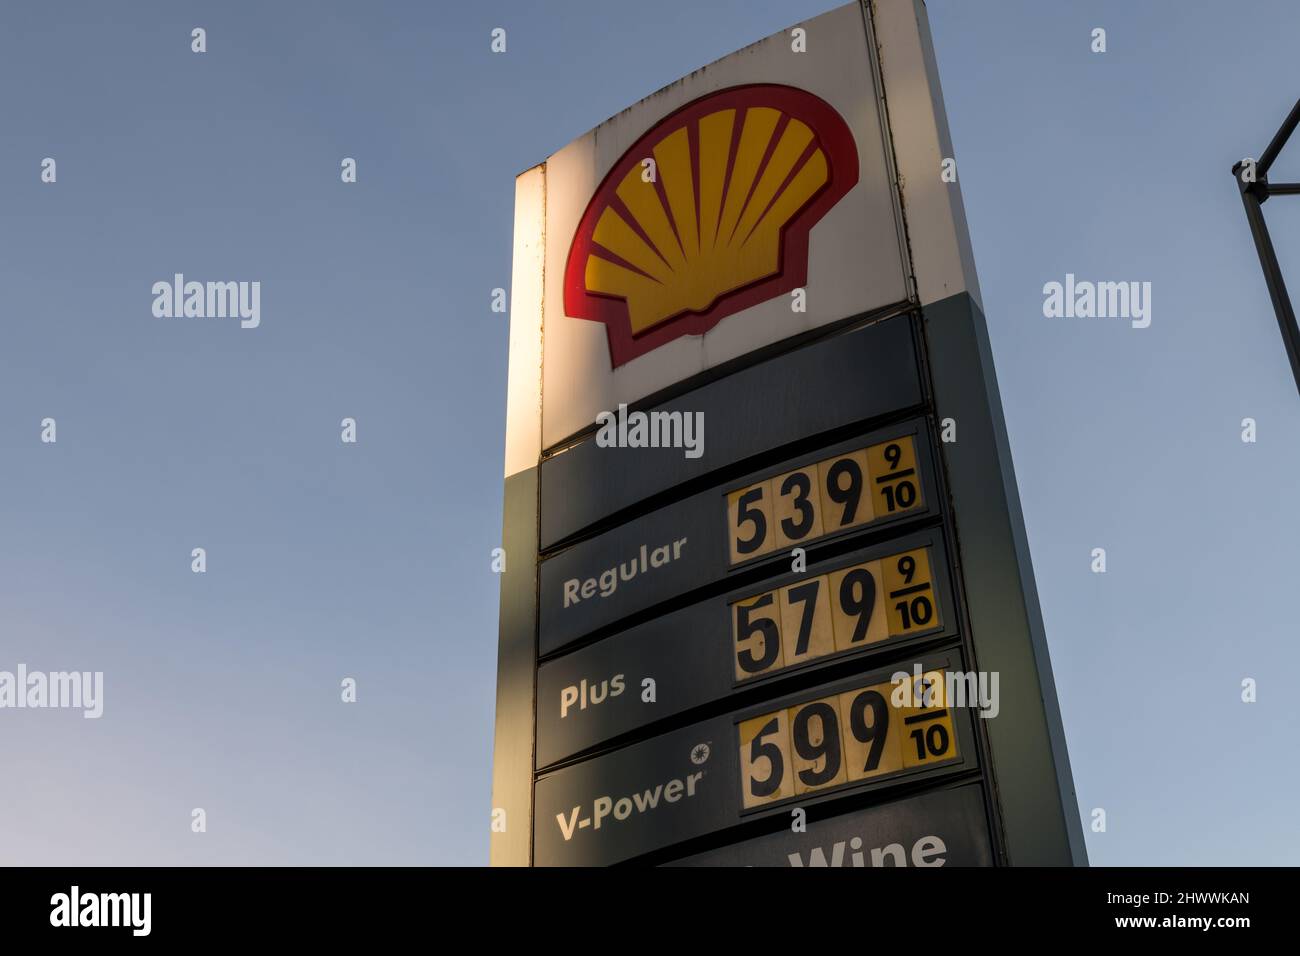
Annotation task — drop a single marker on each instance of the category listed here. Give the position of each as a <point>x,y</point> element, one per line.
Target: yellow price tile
<point>756,636</point>
<point>817,753</point>
<point>928,735</point>
<point>846,499</point>
<point>749,522</point>
<point>871,732</point>
<point>910,598</point>
<point>857,601</point>
<point>765,760</point>
<point>806,621</point>
<point>895,482</point>
<point>796,508</point>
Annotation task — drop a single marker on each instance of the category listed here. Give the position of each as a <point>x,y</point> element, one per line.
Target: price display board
<point>703,653</point>
<point>683,547</point>
<point>853,736</point>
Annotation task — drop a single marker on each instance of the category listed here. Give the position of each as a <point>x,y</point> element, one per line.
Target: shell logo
<point>740,178</point>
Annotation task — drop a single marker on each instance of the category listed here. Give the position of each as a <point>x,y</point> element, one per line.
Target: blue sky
<point>372,561</point>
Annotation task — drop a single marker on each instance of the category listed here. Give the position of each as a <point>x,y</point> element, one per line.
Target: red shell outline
<point>836,140</point>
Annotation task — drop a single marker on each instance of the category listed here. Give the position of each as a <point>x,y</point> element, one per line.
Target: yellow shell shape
<point>731,241</point>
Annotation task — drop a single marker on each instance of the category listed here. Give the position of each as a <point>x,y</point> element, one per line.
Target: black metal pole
<point>1273,277</point>
<point>1253,196</point>
<point>1279,140</point>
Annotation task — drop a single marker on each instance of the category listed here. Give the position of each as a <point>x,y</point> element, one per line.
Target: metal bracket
<point>1253,196</point>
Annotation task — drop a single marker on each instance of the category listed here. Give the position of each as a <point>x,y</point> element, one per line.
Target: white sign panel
<point>746,203</point>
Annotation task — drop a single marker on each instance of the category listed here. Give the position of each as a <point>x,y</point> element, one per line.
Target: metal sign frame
<point>1022,767</point>
<point>1254,194</point>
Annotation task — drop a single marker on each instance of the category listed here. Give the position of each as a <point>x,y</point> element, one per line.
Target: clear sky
<point>371,560</point>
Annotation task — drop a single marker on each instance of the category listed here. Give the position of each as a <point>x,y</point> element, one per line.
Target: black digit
<point>893,455</point>
<point>907,568</point>
<point>850,496</point>
<point>745,513</point>
<point>936,738</point>
<point>801,485</point>
<point>766,630</point>
<point>900,495</point>
<point>918,611</point>
<point>801,732</point>
<point>906,493</point>
<point>933,740</point>
<point>874,733</point>
<point>806,593</point>
<point>921,609</point>
<point>918,736</point>
<point>759,750</point>
<point>858,597</point>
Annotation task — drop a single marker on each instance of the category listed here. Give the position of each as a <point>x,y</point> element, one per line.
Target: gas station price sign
<point>697,635</point>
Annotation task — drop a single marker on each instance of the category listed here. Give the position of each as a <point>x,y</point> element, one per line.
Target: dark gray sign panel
<point>830,395</point>
<point>749,637</point>
<point>844,489</point>
<point>842,738</point>
<point>938,828</point>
